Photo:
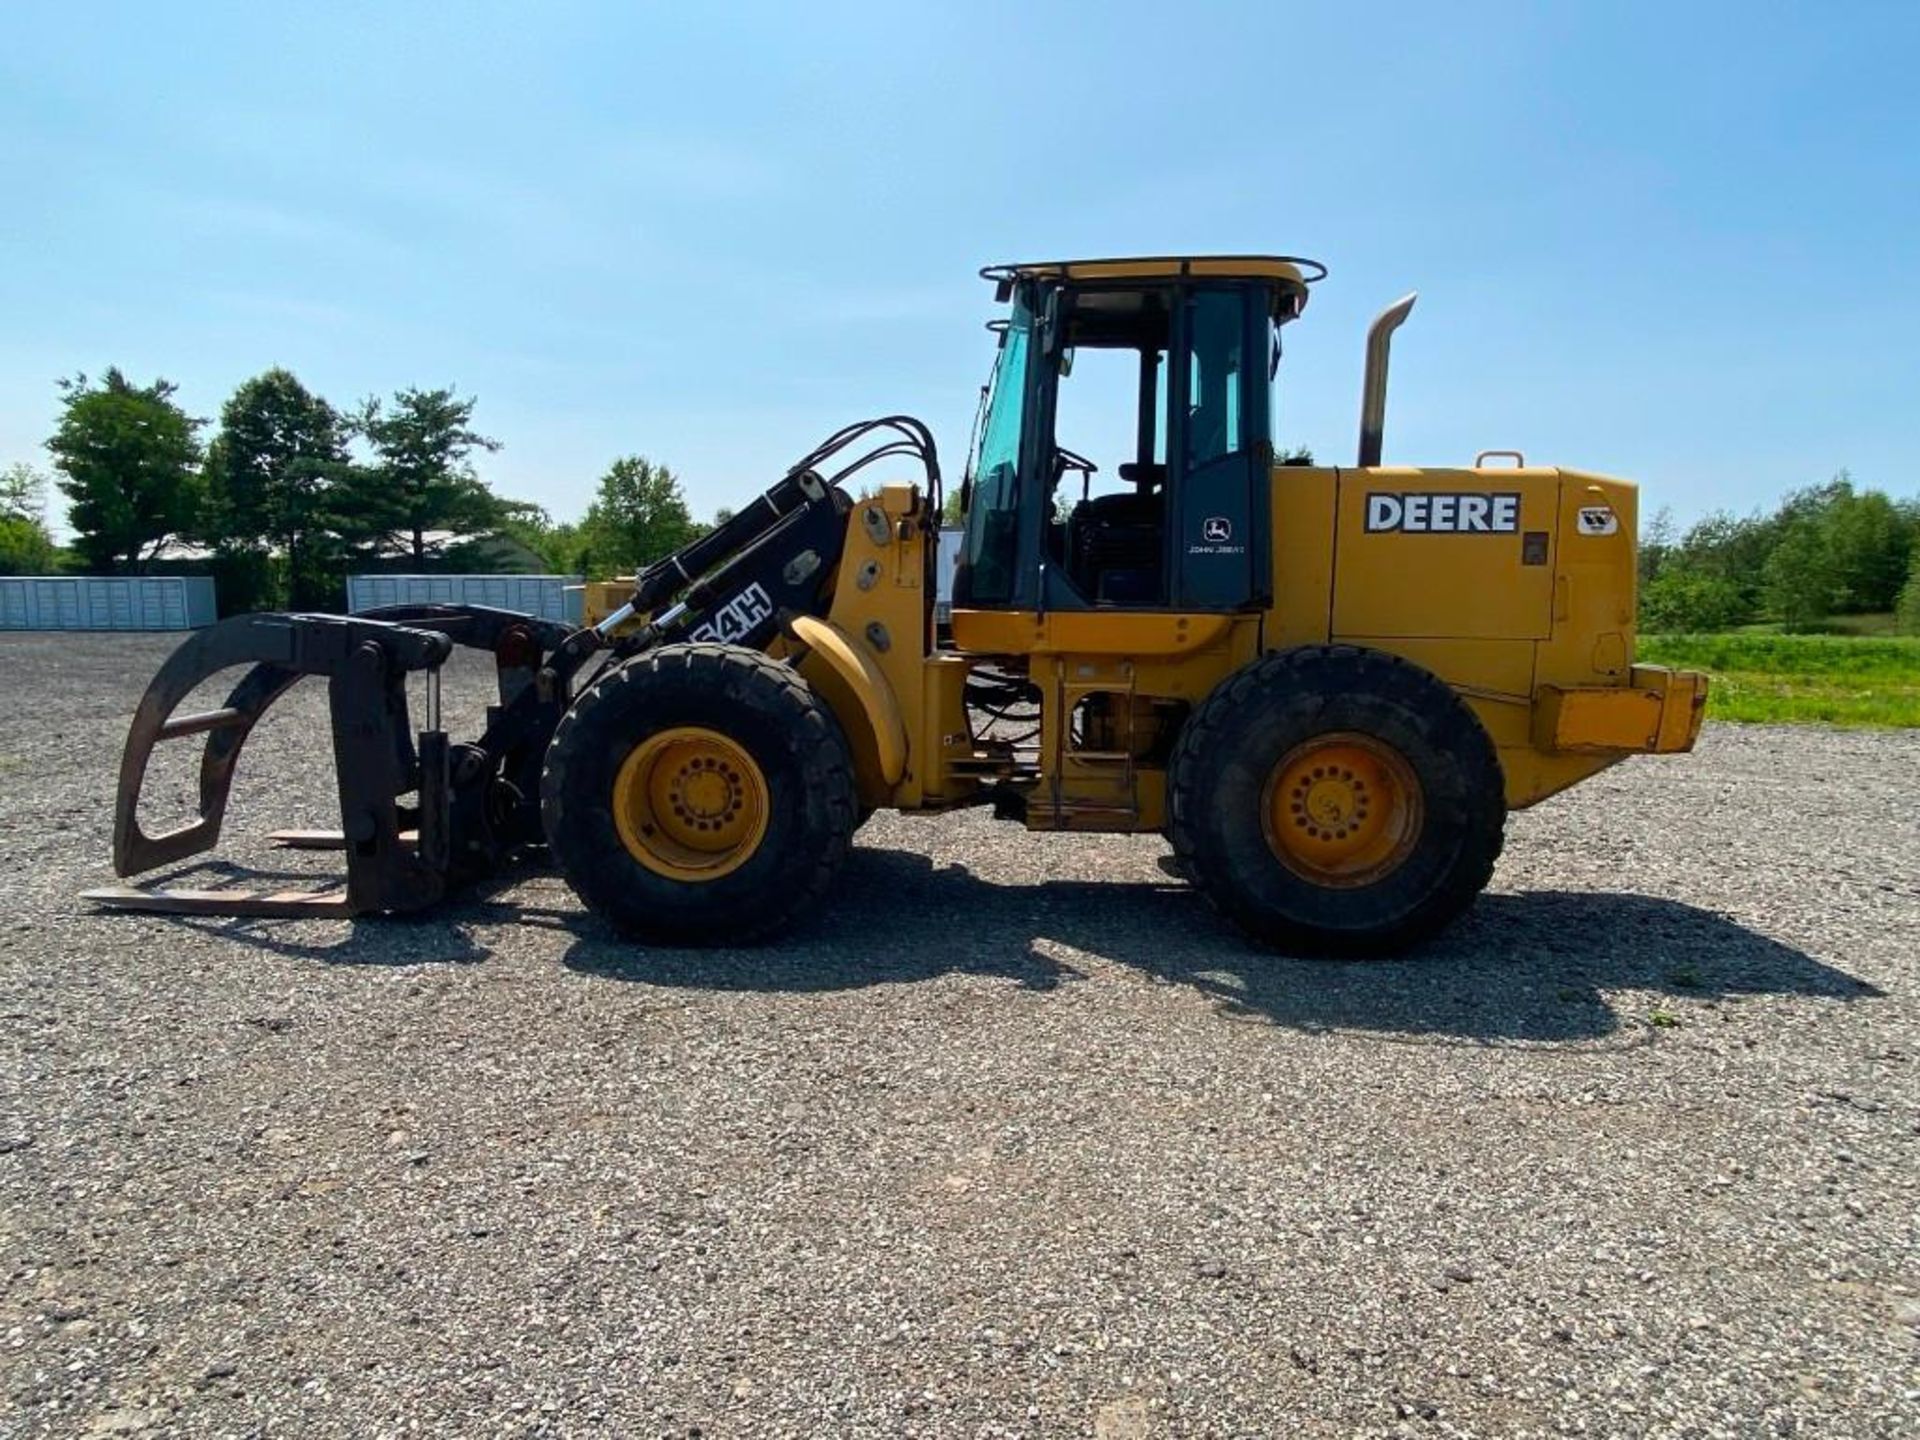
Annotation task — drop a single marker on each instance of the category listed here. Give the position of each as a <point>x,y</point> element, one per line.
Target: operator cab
<point>1123,452</point>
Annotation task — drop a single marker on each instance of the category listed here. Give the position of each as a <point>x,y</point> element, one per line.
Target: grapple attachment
<point>470,803</point>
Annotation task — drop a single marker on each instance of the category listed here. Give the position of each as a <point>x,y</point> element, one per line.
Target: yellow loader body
<point>1532,623</point>
<point>1326,686</point>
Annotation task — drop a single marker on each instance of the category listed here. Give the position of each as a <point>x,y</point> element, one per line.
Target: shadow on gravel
<point>1529,967</point>
<point>435,936</point>
<point>1533,967</point>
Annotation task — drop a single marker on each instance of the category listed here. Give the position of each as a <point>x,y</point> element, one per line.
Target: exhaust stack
<point>1373,388</point>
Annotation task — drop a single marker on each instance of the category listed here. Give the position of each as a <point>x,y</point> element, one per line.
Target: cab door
<point>1220,454</point>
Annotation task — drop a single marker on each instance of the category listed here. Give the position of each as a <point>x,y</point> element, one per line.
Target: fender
<point>880,736</point>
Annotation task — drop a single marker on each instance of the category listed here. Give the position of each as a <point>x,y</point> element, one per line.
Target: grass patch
<point>1798,679</point>
<point>1878,623</point>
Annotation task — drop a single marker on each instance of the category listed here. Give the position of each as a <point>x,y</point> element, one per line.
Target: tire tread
<point>1318,675</point>
<point>744,677</point>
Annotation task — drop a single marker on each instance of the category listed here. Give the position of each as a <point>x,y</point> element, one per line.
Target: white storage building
<point>551,597</point>
<point>106,602</point>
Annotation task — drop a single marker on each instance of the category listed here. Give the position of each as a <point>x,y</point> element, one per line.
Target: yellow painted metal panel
<point>1498,668</point>
<point>944,736</point>
<point>1659,713</point>
<point>1683,696</point>
<point>1153,267</point>
<point>1594,590</point>
<point>1534,775</point>
<point>1302,505</point>
<point>1620,718</point>
<point>1445,553</point>
<point>1115,269</point>
<point>1085,632</point>
<point>880,606</point>
<point>603,597</point>
<point>1529,775</point>
<point>876,715</point>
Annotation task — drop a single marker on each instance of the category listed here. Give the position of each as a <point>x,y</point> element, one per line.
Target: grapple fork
<point>399,856</point>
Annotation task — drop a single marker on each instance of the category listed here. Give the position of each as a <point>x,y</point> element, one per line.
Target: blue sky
<point>1673,242</point>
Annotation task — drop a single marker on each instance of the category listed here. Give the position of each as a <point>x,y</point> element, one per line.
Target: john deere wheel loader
<point>1325,686</point>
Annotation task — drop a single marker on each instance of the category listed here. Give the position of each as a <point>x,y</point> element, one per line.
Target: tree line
<point>1825,552</point>
<point>289,493</point>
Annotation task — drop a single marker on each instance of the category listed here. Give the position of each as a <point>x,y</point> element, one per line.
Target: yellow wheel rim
<point>1342,809</point>
<point>690,804</point>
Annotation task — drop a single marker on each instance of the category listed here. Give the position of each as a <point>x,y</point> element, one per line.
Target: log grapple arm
<point>469,801</point>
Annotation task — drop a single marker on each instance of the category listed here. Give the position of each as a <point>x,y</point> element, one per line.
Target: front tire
<point>699,795</point>
<point>1336,801</point>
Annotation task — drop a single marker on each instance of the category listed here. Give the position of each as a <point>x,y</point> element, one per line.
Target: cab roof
<point>1284,268</point>
<point>1287,275</point>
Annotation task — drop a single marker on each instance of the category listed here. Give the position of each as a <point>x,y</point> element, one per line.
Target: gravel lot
<point>1014,1140</point>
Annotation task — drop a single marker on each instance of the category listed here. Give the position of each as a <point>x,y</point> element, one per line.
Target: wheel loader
<point>1326,686</point>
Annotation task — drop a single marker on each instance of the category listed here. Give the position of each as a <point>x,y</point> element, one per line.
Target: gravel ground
<point>1014,1140</point>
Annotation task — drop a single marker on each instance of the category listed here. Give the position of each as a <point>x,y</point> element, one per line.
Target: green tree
<point>1799,578</point>
<point>1683,601</point>
<point>1906,614</point>
<point>1869,541</point>
<point>638,516</point>
<point>422,478</point>
<point>1659,540</point>
<point>1865,540</point>
<point>556,543</point>
<point>1730,548</point>
<point>26,547</point>
<point>269,475</point>
<point>129,461</point>
<point>23,492</point>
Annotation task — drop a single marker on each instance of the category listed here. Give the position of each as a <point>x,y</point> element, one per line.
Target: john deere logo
<point>1216,530</point>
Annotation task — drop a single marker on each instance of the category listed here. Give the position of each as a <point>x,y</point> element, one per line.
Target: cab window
<point>1214,368</point>
<point>990,555</point>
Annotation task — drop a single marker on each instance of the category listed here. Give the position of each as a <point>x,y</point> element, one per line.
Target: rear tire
<point>699,795</point>
<point>1336,801</point>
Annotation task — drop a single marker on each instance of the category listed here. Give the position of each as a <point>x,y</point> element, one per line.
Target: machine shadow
<point>1531,967</point>
<point>383,940</point>
<point>440,936</point>
<point>1518,968</point>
